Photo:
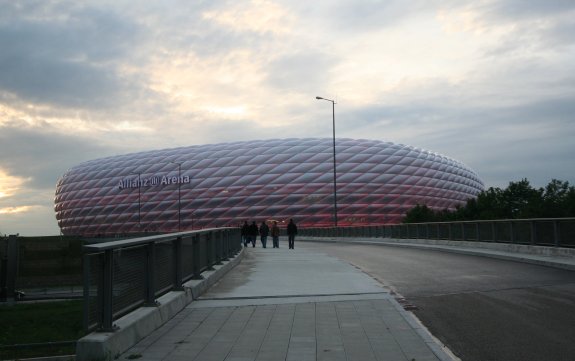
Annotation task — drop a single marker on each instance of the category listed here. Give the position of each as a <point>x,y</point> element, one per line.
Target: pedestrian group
<point>251,231</point>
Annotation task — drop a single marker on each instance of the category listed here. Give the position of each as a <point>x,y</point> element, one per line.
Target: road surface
<point>483,309</point>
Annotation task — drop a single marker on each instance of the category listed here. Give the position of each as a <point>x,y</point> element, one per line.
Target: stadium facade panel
<point>224,184</point>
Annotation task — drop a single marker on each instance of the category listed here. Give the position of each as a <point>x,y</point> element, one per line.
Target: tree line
<point>518,200</point>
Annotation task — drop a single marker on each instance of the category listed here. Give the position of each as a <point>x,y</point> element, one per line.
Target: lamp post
<point>334,169</point>
<point>179,195</point>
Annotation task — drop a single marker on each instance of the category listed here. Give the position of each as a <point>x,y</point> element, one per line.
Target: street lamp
<point>179,195</point>
<point>334,170</point>
<point>139,201</point>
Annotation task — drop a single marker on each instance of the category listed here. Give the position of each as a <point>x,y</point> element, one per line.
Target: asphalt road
<point>483,309</point>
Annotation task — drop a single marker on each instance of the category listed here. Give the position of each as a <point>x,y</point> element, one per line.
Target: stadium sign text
<point>152,181</point>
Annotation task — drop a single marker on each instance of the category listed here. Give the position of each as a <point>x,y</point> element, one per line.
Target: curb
<point>50,358</point>
<point>441,351</point>
<point>140,323</point>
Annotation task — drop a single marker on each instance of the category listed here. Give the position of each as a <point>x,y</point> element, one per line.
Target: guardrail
<point>121,276</point>
<point>557,232</point>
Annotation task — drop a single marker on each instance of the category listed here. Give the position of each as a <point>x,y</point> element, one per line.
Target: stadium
<point>225,184</point>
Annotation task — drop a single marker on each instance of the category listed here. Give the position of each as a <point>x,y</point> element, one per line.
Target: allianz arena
<point>224,184</point>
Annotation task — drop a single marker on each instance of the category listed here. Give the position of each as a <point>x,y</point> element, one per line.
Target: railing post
<point>533,231</point>
<point>463,231</point>
<point>12,262</point>
<point>477,234</point>
<point>449,231</point>
<point>219,247</point>
<point>196,257</point>
<point>107,291</point>
<point>511,232</point>
<point>150,275</point>
<point>556,235</point>
<point>236,234</point>
<point>210,251</point>
<point>86,271</point>
<point>225,244</point>
<point>231,246</point>
<point>493,231</point>
<point>178,271</point>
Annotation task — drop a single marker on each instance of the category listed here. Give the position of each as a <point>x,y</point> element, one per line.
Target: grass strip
<point>32,323</point>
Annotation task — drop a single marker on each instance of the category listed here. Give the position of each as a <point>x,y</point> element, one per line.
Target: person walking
<point>264,232</point>
<point>276,234</point>
<point>245,233</point>
<point>253,233</point>
<point>291,231</point>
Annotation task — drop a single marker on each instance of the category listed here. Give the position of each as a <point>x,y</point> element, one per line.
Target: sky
<point>490,83</point>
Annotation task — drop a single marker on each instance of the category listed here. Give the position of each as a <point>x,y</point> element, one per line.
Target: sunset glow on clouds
<point>9,185</point>
<point>486,82</point>
<point>12,210</point>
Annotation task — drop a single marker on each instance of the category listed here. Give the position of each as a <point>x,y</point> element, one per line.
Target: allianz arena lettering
<point>225,184</point>
<point>152,181</point>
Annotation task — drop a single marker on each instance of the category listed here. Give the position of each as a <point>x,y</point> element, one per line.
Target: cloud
<point>513,9</point>
<point>41,155</point>
<point>9,185</point>
<point>35,221</point>
<point>361,16</point>
<point>259,16</point>
<point>12,210</point>
<point>527,27</point>
<point>67,60</point>
<point>502,142</point>
<point>288,72</point>
<point>486,82</point>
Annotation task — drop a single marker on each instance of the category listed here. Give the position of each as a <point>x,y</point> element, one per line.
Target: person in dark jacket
<point>253,233</point>
<point>245,233</point>
<point>291,231</point>
<point>264,232</point>
<point>276,234</point>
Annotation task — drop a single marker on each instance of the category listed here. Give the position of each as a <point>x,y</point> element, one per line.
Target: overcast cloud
<point>487,82</point>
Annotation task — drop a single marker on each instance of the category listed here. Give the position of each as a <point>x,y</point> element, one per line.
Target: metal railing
<point>121,276</point>
<point>557,232</point>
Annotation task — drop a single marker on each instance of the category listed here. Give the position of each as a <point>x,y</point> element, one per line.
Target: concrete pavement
<point>281,304</point>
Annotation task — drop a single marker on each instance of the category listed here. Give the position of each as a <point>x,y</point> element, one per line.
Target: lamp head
<point>318,97</point>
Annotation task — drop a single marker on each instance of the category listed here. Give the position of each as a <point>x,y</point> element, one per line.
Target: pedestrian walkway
<point>282,304</point>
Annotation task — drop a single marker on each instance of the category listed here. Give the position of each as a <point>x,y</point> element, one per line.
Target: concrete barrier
<point>558,257</point>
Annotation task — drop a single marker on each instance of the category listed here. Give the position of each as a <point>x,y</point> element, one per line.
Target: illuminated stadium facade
<point>224,184</point>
